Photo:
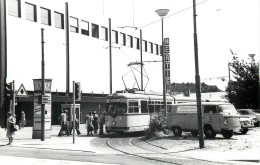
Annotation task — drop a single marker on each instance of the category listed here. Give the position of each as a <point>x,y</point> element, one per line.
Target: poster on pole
<point>37,112</point>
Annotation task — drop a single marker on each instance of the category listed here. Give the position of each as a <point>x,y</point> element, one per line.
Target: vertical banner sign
<point>167,64</point>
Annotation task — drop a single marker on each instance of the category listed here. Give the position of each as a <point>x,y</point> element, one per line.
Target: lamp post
<point>162,13</point>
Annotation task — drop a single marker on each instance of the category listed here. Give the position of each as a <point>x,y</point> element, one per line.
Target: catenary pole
<point>197,79</point>
<point>110,57</point>
<point>43,91</point>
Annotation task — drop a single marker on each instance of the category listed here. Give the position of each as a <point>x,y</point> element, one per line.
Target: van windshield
<point>228,109</point>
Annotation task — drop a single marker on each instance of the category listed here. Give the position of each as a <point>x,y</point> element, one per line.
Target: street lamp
<point>162,13</point>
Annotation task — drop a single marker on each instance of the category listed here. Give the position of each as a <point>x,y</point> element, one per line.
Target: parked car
<point>250,113</point>
<point>246,123</point>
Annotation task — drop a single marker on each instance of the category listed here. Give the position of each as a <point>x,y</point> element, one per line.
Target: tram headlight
<point>225,122</point>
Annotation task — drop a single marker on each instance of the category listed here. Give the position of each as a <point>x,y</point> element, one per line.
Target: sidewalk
<point>23,138</point>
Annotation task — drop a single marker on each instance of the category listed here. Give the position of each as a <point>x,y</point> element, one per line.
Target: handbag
<point>12,128</point>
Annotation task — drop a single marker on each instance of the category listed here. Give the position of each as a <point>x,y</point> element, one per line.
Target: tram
<point>131,112</point>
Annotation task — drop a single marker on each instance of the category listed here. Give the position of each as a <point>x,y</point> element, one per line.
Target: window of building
<point>129,41</point>
<point>150,45</point>
<point>122,39</point>
<point>30,12</point>
<point>84,27</point>
<point>156,49</point>
<point>144,46</point>
<point>14,8</point>
<point>45,16</point>
<point>95,30</point>
<point>136,43</point>
<point>133,107</point>
<point>160,50</point>
<point>74,25</point>
<point>59,20</point>
<point>104,33</point>
<point>114,38</point>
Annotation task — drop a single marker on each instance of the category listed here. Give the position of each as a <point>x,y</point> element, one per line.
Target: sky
<point>222,25</point>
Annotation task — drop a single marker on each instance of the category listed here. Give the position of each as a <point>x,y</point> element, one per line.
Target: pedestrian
<point>64,124</point>
<point>89,124</point>
<point>95,122</point>
<point>102,122</point>
<point>23,120</point>
<point>76,125</point>
<point>10,122</point>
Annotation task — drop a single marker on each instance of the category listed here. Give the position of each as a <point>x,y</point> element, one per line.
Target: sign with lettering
<point>167,64</point>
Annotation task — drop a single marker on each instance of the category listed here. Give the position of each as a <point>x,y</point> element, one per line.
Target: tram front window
<point>116,109</point>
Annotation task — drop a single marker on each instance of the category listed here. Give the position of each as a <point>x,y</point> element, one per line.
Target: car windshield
<point>228,109</point>
<point>116,109</point>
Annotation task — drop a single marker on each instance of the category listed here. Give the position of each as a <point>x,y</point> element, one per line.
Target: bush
<point>157,124</point>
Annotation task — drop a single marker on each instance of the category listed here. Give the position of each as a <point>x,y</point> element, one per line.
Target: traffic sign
<point>21,92</point>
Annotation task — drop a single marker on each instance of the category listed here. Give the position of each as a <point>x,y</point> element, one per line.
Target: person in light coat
<point>9,134</point>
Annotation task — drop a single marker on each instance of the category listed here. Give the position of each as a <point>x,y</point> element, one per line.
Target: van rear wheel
<point>209,133</point>
<point>177,131</point>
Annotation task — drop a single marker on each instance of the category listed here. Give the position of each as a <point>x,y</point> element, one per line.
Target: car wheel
<point>244,131</point>
<point>227,135</point>
<point>209,133</point>
<point>177,131</point>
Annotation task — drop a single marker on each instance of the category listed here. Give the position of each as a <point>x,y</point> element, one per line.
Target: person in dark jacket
<point>95,122</point>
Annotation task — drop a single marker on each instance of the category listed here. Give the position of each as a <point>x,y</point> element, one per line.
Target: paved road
<point>109,149</point>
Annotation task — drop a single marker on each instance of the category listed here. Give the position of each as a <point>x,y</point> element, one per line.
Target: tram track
<point>128,146</point>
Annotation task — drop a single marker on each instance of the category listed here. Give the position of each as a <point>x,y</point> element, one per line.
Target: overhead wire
<point>174,14</point>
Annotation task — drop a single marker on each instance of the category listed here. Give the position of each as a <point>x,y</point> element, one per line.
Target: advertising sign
<point>37,114</point>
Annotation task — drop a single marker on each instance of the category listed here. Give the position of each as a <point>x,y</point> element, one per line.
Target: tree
<point>243,91</point>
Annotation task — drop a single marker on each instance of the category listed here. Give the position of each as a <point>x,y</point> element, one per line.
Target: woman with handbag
<point>10,122</point>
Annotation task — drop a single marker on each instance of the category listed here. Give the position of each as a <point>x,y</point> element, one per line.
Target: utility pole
<point>110,56</point>
<point>67,49</point>
<point>43,91</point>
<point>141,59</point>
<point>197,78</point>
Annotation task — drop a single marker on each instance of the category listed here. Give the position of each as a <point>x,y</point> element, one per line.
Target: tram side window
<point>144,107</point>
<point>151,106</point>
<point>157,106</point>
<point>133,107</point>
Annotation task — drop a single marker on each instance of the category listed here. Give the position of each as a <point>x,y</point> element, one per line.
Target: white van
<point>217,117</point>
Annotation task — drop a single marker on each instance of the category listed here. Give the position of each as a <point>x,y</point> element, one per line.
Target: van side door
<point>211,117</point>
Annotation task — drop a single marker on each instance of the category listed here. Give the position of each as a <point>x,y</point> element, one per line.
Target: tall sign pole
<point>197,78</point>
<point>43,91</point>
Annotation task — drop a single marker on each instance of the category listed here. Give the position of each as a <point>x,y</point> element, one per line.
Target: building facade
<point>89,54</point>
